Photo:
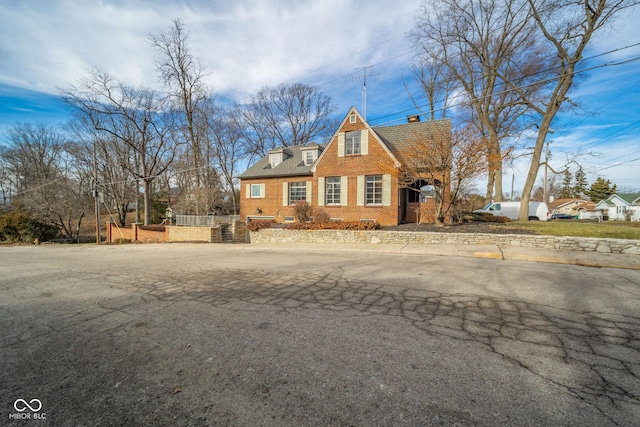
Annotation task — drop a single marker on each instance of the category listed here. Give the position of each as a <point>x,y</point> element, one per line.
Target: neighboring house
<point>566,206</point>
<point>621,206</point>
<point>354,177</point>
<point>588,210</point>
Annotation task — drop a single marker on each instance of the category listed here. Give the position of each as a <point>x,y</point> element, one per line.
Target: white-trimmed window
<point>621,209</point>
<point>275,159</point>
<point>352,143</point>
<point>297,192</point>
<point>373,190</point>
<point>332,191</point>
<point>352,118</point>
<point>255,191</point>
<point>309,157</point>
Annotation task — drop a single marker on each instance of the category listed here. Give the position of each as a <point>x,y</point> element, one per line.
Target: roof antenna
<point>364,75</point>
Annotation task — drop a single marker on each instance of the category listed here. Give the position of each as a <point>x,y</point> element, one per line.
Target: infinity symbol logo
<point>21,405</point>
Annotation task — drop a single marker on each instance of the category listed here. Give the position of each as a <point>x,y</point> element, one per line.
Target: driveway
<point>201,334</point>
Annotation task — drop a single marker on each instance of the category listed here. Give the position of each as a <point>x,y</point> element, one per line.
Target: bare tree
<point>445,161</point>
<point>135,116</point>
<point>567,27</point>
<point>116,183</point>
<point>226,145</point>
<point>437,83</point>
<point>285,115</point>
<point>484,44</point>
<point>47,177</point>
<point>184,76</point>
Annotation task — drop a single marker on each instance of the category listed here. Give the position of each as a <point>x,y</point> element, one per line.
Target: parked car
<point>561,216</point>
<point>537,210</point>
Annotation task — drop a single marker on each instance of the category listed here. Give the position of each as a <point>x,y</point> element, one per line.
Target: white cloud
<point>246,44</point>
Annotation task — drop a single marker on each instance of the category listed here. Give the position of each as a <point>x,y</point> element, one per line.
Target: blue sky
<point>249,44</point>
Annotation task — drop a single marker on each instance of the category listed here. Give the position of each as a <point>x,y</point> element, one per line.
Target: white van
<point>537,210</point>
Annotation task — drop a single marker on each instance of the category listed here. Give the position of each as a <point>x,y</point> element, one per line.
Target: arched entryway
<point>419,200</point>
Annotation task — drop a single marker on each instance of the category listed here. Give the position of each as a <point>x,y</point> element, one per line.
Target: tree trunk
<point>147,201</point>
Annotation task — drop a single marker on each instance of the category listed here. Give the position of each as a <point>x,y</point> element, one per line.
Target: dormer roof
<point>292,164</point>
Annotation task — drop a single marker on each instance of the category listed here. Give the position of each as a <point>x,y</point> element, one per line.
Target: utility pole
<point>513,180</point>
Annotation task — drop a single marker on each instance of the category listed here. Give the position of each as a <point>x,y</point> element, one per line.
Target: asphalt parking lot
<point>201,334</point>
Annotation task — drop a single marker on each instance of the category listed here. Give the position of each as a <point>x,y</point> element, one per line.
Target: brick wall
<point>115,232</point>
<point>136,233</point>
<point>377,161</point>
<point>271,204</point>
<point>195,234</point>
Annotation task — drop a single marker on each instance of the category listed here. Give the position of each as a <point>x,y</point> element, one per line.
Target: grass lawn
<point>612,229</point>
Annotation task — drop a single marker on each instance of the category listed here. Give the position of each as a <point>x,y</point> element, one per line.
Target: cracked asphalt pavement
<point>200,334</point>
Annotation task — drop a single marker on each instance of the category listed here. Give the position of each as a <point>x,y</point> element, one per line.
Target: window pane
<point>332,191</point>
<point>374,190</point>
<point>297,192</point>
<point>255,190</point>
<point>352,142</point>
<point>309,157</point>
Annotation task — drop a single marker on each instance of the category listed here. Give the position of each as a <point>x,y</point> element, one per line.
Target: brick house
<point>354,177</point>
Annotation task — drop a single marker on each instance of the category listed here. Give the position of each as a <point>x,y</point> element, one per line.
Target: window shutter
<point>285,194</point>
<point>248,191</point>
<point>344,190</point>
<point>361,190</point>
<point>320,191</point>
<point>364,142</point>
<point>262,190</point>
<point>309,189</point>
<point>386,190</point>
<point>341,144</point>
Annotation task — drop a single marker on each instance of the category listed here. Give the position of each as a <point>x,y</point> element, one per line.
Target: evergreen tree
<point>580,180</point>
<point>567,190</point>
<point>601,189</point>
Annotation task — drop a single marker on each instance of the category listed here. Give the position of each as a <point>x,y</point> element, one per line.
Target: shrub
<point>302,211</point>
<point>260,224</point>
<point>21,226</point>
<point>487,217</point>
<point>334,225</point>
<point>320,215</point>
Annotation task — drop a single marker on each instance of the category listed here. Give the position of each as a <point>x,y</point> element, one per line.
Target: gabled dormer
<point>277,156</point>
<point>310,154</point>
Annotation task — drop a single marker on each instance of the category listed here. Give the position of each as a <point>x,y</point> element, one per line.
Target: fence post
<point>134,226</point>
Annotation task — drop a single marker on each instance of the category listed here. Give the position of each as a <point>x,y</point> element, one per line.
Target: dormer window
<point>309,155</point>
<point>275,159</point>
<point>309,158</point>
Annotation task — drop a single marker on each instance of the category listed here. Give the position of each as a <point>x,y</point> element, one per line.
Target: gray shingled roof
<point>293,165</point>
<point>397,138</point>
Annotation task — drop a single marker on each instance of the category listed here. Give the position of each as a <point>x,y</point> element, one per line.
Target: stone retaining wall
<point>587,244</point>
